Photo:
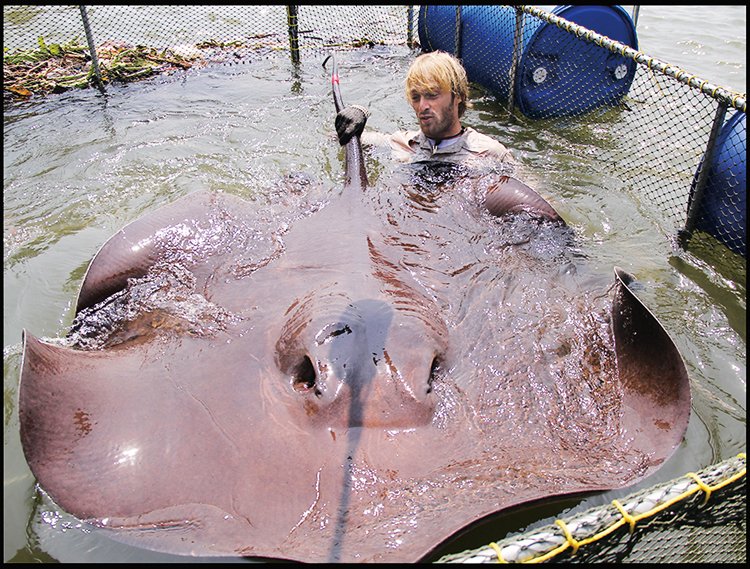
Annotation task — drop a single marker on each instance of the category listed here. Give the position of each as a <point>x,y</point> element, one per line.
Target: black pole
<point>92,48</point>
<point>291,17</point>
<point>457,35</point>
<point>517,52</point>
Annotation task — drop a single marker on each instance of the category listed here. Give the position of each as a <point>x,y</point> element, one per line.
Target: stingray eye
<point>435,371</point>
<point>304,376</point>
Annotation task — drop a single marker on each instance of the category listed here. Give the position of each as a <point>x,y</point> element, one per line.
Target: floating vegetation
<point>54,68</point>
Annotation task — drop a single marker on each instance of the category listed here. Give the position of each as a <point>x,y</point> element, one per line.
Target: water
<point>708,41</point>
<point>79,166</point>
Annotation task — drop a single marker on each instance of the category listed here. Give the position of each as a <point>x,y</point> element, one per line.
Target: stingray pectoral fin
<point>509,195</point>
<point>83,426</point>
<point>168,445</point>
<point>188,226</point>
<point>133,249</point>
<point>107,432</point>
<point>656,401</point>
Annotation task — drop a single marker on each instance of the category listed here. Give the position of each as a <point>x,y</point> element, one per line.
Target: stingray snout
<point>365,371</point>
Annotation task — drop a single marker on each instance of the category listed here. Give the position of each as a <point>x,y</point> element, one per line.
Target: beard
<point>439,123</point>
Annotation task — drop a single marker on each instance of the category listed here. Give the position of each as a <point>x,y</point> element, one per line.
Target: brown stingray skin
<point>351,394</point>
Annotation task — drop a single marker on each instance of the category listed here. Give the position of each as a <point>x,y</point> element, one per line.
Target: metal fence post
<point>517,51</point>
<point>457,36</point>
<point>410,26</point>
<point>636,9</point>
<point>92,48</point>
<point>291,17</point>
<point>696,197</point>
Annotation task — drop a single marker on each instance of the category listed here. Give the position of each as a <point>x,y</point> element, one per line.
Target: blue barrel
<point>436,27</point>
<point>557,75</point>
<point>723,208</point>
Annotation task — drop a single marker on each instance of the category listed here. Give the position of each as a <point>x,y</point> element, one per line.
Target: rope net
<point>700,518</point>
<point>673,139</point>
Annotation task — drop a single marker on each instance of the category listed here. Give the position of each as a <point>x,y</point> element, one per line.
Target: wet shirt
<point>414,146</point>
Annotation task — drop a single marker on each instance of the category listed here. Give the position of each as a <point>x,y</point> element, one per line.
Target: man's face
<point>437,113</point>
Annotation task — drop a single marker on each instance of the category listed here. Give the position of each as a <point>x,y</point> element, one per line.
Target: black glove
<point>350,121</point>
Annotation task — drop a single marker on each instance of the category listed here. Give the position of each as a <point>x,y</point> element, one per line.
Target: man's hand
<point>351,122</point>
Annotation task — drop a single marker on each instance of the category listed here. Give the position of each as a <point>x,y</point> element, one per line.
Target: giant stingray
<point>392,368</point>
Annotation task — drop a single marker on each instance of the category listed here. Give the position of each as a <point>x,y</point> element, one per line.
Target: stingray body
<point>349,391</point>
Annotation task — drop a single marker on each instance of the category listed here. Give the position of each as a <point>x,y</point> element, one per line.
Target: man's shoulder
<point>480,143</point>
<point>476,138</point>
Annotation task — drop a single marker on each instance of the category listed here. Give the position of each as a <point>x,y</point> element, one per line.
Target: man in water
<point>438,90</point>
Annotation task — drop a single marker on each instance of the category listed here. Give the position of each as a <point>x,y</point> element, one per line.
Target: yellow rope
<point>628,518</point>
<point>499,552</point>
<point>702,485</point>
<point>549,554</point>
<point>568,536</point>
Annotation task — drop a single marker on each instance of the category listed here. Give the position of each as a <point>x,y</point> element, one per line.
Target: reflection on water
<point>79,166</point>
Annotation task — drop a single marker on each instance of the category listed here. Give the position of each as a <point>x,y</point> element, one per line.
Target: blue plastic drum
<point>487,45</point>
<point>436,27</point>
<point>723,208</point>
<point>558,74</point>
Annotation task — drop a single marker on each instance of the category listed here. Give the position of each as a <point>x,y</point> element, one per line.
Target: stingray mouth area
<point>374,393</point>
<point>365,363</point>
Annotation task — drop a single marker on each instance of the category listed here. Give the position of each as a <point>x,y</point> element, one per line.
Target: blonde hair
<point>439,71</point>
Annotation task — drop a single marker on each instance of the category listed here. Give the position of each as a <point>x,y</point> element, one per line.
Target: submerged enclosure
<point>239,87</point>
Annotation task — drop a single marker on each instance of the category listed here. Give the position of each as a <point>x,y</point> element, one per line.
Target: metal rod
<point>410,26</point>
<point>696,198</point>
<point>517,51</point>
<point>92,48</point>
<point>457,37</point>
<point>291,17</point>
<point>636,9</point>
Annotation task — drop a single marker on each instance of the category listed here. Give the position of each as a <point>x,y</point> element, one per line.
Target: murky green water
<point>79,166</point>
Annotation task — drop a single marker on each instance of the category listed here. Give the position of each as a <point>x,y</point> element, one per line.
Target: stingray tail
<point>355,164</point>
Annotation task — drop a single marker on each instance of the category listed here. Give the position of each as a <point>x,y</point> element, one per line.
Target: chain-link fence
<point>665,124</point>
<point>546,67</point>
<point>672,137</point>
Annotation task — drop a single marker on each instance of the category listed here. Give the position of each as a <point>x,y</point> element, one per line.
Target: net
<point>699,518</point>
<point>674,139</point>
